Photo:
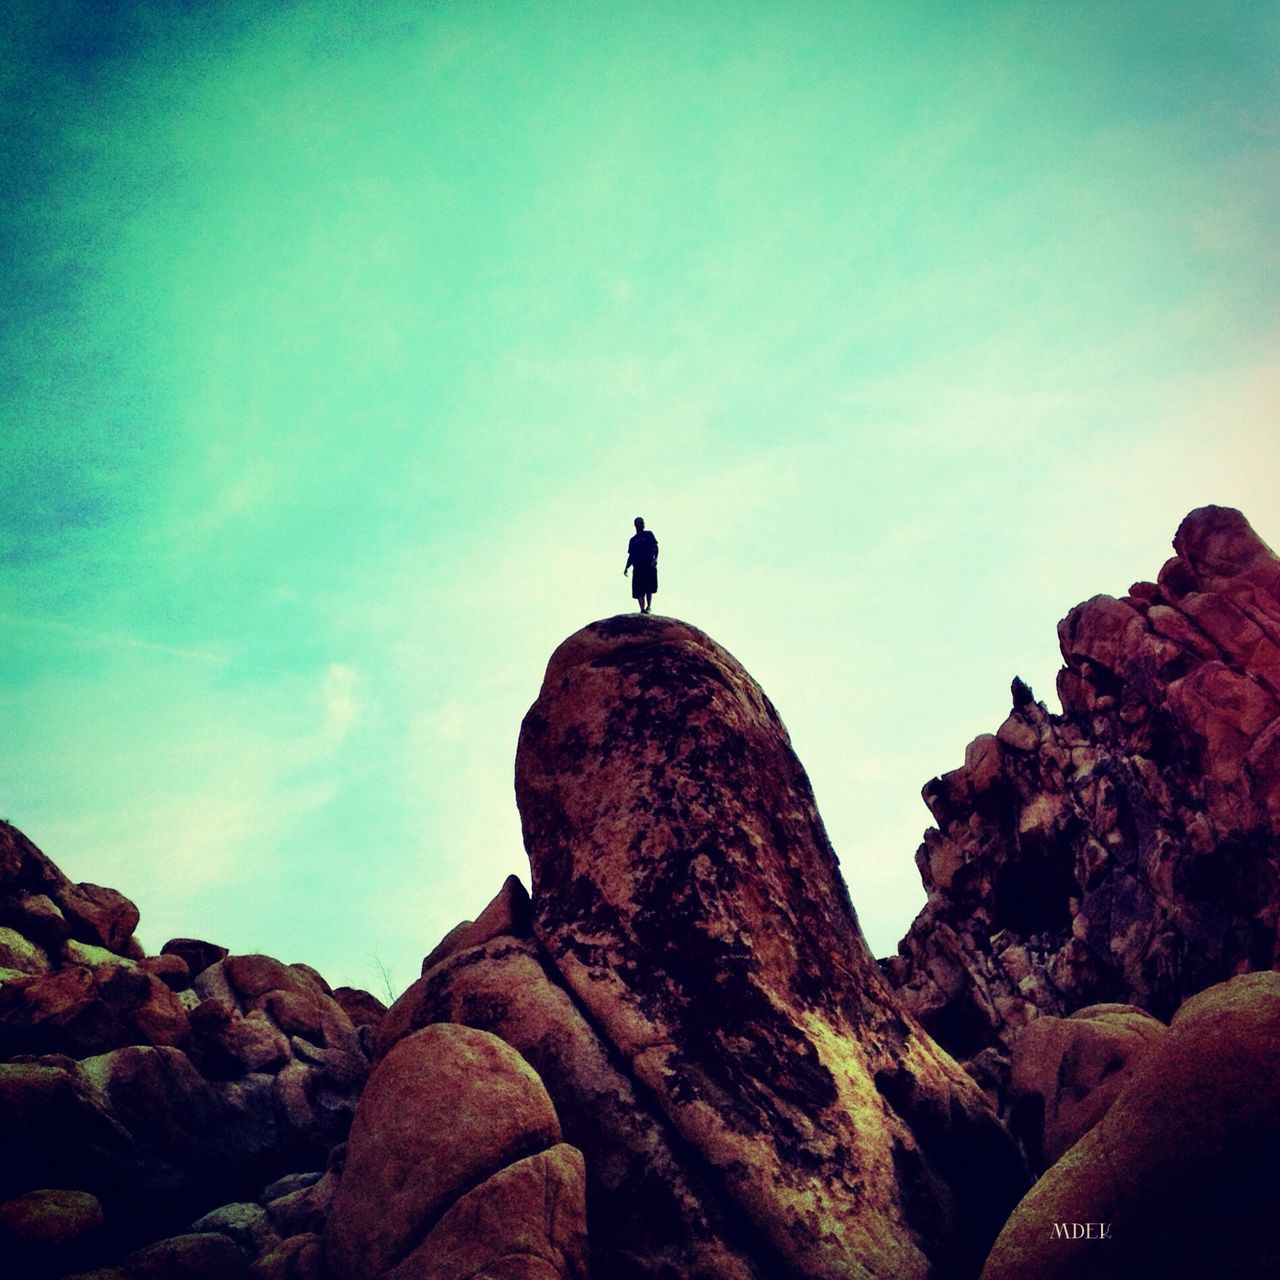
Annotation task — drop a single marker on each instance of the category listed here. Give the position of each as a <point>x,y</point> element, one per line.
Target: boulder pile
<point>139,1093</point>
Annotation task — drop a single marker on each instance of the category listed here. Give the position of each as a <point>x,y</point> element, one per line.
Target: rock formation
<point>1067,1072</point>
<point>1127,850</point>
<point>455,1169</point>
<point>678,1060</point>
<point>1181,1170</point>
<point>650,1214</point>
<point>135,1096</point>
<point>686,894</point>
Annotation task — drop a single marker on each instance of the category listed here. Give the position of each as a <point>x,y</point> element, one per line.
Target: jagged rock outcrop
<point>686,894</point>
<point>1181,1170</point>
<point>1127,850</point>
<point>455,1168</point>
<point>155,1087</point>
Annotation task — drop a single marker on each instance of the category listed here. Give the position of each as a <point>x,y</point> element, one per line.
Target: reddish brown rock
<point>685,890</point>
<point>196,954</point>
<point>245,1223</point>
<point>300,1257</point>
<point>206,1256</point>
<point>83,1011</point>
<point>119,1092</point>
<point>314,974</point>
<point>254,976</point>
<point>170,969</point>
<point>446,1109</point>
<point>99,915</point>
<point>153,1139</point>
<point>1067,1072</point>
<point>509,914</point>
<point>228,1044</point>
<point>305,1210</point>
<point>48,1232</point>
<point>1181,1169</point>
<point>1128,850</point>
<point>37,917</point>
<point>43,905</point>
<point>527,1222</point>
<point>651,1215</point>
<point>363,1008</point>
<point>20,955</point>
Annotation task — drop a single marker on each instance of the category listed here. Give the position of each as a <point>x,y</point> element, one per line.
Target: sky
<point>341,342</point>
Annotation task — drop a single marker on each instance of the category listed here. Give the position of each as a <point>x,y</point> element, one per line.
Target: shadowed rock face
<point>1181,1169</point>
<point>686,892</point>
<point>1127,850</point>
<point>131,1083</point>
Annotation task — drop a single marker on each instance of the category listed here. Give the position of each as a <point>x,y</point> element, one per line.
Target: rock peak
<point>686,892</point>
<point>1218,542</point>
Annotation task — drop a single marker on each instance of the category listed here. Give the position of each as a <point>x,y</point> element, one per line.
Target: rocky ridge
<point>1127,849</point>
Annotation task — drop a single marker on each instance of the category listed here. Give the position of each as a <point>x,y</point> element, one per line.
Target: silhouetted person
<point>642,556</point>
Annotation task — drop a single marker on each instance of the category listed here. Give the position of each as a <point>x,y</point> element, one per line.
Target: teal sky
<point>342,342</point>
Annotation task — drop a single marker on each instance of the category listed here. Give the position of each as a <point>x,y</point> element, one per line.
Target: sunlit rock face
<point>651,1216</point>
<point>455,1169</point>
<point>686,894</point>
<point>1128,849</point>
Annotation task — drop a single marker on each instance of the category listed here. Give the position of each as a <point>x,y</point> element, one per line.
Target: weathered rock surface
<point>650,1214</point>
<point>362,1007</point>
<point>300,1257</point>
<point>159,1095</point>
<point>40,903</point>
<point>1068,1071</point>
<point>524,1223</point>
<point>446,1110</point>
<point>1127,850</point>
<point>204,1256</point>
<point>48,1231</point>
<point>195,953</point>
<point>1181,1168</point>
<point>685,890</point>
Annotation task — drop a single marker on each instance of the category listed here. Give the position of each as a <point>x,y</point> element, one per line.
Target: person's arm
<point>628,564</point>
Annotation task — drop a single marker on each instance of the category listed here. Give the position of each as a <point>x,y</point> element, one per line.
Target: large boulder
<point>1068,1071</point>
<point>686,893</point>
<point>48,1231</point>
<point>1125,851</point>
<point>446,1110</point>
<point>526,1222</point>
<point>1179,1177</point>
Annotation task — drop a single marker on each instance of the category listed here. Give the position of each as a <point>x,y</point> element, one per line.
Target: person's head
<point>639,523</point>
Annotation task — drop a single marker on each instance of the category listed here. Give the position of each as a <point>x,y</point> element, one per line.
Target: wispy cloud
<point>111,639</point>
